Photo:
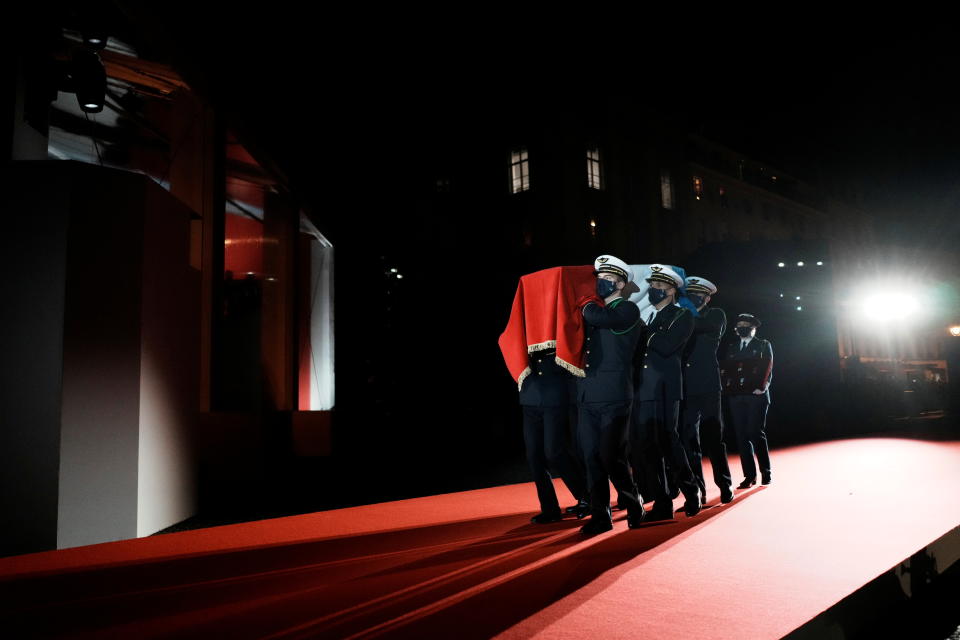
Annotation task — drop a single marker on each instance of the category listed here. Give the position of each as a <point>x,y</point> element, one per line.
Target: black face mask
<point>744,332</point>
<point>605,287</point>
<point>656,296</point>
<point>696,299</point>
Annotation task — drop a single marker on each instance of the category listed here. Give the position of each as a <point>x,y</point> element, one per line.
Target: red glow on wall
<point>243,246</point>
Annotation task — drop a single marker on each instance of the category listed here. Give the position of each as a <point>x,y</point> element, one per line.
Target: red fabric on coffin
<point>545,316</point>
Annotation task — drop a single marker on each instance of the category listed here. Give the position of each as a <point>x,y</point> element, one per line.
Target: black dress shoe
<point>747,483</point>
<point>635,516</point>
<point>546,518</point>
<point>766,479</point>
<point>596,526</point>
<point>659,512</point>
<point>691,505</point>
<point>581,509</point>
<point>726,495</point>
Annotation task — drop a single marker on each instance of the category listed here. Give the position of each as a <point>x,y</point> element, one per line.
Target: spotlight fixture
<point>781,265</point>
<point>799,308</point>
<point>819,263</point>
<point>89,80</point>
<point>955,331</point>
<point>800,264</point>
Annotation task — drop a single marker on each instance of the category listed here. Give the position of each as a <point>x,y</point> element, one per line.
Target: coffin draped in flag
<point>545,316</point>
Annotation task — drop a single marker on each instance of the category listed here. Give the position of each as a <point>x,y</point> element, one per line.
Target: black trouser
<point>653,440</point>
<point>749,414</point>
<point>603,431</point>
<point>545,436</point>
<point>702,430</point>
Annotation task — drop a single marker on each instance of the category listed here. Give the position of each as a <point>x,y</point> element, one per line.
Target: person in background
<point>748,411</point>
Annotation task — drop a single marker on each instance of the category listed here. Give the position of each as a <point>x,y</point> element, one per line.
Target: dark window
<point>666,190</point>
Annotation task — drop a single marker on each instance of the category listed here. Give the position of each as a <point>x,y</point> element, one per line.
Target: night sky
<point>872,111</point>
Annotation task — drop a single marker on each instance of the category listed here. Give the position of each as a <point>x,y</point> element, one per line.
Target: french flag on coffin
<point>544,315</point>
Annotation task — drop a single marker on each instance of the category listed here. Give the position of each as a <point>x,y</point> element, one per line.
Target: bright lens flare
<point>889,307</point>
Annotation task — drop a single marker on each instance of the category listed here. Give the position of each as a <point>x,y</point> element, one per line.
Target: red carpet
<point>470,565</point>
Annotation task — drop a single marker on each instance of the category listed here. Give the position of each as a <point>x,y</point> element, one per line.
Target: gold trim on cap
<point>609,268</point>
<point>662,277</point>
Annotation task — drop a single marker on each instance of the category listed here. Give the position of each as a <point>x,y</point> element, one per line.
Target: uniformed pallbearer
<point>702,424</point>
<point>545,397</point>
<point>654,437</point>
<point>605,393</point>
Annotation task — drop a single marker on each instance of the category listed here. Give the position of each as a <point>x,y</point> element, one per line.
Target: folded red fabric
<point>545,316</point>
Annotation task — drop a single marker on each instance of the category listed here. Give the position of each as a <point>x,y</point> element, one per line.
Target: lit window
<point>697,187</point>
<point>520,170</point>
<point>594,177</point>
<point>666,190</point>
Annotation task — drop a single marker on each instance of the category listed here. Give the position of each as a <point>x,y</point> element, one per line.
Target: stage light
<point>887,303</point>
<point>819,263</point>
<point>89,80</point>
<point>798,297</point>
<point>799,308</point>
<point>800,264</point>
<point>955,331</point>
<point>593,223</point>
<point>399,276</point>
<point>393,270</point>
<point>781,295</point>
<point>780,264</point>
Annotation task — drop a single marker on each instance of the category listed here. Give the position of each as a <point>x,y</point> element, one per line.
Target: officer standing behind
<point>653,431</point>
<point>545,398</point>
<point>702,417</point>
<point>749,410</point>
<point>605,393</point>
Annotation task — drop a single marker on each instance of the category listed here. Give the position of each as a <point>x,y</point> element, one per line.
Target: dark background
<point>362,108</point>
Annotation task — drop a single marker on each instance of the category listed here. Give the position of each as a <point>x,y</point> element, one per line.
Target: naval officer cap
<point>612,264</point>
<point>663,273</point>
<point>696,284</point>
<point>748,317</point>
